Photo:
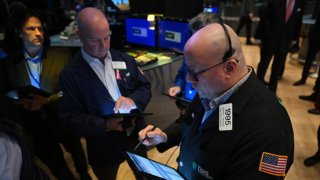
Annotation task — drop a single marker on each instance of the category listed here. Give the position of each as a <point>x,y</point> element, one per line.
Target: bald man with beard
<point>100,82</point>
<point>244,132</point>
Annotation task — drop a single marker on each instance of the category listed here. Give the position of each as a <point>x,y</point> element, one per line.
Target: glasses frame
<point>194,75</point>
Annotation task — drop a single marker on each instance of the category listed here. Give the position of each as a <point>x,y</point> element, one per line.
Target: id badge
<point>119,65</point>
<point>225,117</point>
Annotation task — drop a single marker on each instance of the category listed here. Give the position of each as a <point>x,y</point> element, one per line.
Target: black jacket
<point>260,124</point>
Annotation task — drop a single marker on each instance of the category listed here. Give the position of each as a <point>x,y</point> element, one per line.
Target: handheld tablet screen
<point>177,98</point>
<point>154,168</point>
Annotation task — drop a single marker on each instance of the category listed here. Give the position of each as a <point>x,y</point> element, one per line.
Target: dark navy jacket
<point>86,100</point>
<point>260,124</point>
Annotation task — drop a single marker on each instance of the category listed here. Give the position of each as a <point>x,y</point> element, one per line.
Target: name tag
<point>119,65</point>
<point>225,117</point>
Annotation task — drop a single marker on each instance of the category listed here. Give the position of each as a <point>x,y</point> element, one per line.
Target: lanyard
<point>34,79</point>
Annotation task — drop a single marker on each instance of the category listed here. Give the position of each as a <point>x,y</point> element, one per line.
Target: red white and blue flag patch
<point>273,164</point>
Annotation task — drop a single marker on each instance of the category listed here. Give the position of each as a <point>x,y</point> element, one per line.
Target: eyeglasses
<point>194,75</point>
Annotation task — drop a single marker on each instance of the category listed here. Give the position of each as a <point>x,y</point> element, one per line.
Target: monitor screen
<point>122,5</point>
<point>140,31</point>
<point>173,34</point>
<point>211,9</point>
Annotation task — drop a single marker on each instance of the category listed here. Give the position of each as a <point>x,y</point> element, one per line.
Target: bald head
<point>88,17</point>
<point>205,50</point>
<point>211,42</point>
<point>94,32</point>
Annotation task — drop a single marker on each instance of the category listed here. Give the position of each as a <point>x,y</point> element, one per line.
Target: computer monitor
<point>140,31</point>
<point>123,5</point>
<point>211,9</point>
<point>173,34</point>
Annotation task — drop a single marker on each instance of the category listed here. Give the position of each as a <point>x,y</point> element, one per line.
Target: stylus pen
<point>135,148</point>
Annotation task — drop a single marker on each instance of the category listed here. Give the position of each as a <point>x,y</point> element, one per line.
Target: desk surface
<point>161,62</point>
<point>164,58</point>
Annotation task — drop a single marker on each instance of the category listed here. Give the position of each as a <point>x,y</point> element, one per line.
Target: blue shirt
<point>34,67</point>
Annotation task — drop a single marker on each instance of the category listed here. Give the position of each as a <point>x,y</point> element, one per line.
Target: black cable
<point>172,153</point>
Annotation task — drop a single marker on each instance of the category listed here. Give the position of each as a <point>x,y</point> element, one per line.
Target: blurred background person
<point>246,18</point>
<point>279,21</point>
<point>312,160</point>
<point>313,49</point>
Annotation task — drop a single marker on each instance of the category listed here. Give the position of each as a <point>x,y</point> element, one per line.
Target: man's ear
<point>230,68</point>
<point>231,65</point>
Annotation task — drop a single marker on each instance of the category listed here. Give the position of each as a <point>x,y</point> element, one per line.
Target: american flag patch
<point>273,164</point>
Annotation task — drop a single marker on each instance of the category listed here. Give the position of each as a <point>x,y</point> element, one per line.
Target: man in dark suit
<point>280,19</point>
<point>246,19</point>
<point>31,62</point>
<point>239,130</point>
<point>313,49</point>
<point>100,82</point>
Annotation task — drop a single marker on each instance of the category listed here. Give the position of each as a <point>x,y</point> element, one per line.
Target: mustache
<point>38,39</point>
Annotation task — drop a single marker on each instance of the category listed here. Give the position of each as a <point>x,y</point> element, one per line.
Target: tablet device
<point>151,169</point>
<point>177,98</point>
<point>189,92</point>
<point>23,92</point>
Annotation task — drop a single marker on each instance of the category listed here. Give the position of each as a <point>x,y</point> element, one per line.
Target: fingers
<point>152,137</point>
<point>143,133</point>
<point>124,105</point>
<point>173,91</point>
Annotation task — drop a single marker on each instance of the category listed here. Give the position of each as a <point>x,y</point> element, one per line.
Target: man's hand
<point>124,105</point>
<point>35,103</point>
<point>114,124</point>
<point>153,137</point>
<point>173,91</point>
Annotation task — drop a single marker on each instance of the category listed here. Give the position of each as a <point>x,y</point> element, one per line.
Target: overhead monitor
<point>211,9</point>
<point>140,31</point>
<point>173,34</point>
<point>120,5</point>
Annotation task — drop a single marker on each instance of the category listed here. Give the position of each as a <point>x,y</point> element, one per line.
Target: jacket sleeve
<point>173,133</point>
<point>181,76</point>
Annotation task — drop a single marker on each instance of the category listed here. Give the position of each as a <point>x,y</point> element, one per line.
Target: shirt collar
<point>35,59</point>
<point>214,103</point>
<point>89,59</point>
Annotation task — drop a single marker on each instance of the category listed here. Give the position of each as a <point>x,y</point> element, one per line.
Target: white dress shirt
<point>105,73</point>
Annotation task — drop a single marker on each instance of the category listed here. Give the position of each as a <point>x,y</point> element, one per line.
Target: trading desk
<point>164,57</point>
<point>161,62</point>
